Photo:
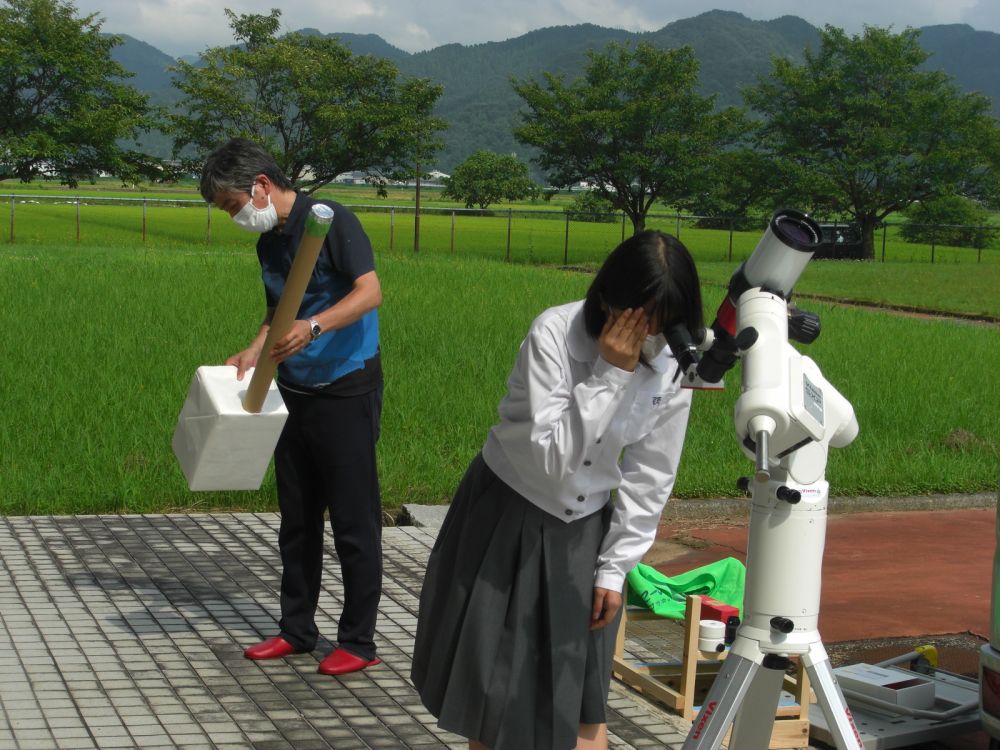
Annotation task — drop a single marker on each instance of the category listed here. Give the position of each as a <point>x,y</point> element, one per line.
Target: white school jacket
<point>574,427</point>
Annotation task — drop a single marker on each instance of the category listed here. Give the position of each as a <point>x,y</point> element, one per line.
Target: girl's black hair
<point>651,269</point>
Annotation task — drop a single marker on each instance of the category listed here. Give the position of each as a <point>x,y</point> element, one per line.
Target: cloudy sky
<point>180,27</point>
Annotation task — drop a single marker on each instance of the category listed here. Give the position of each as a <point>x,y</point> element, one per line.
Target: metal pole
<point>12,218</point>
<point>453,232</point>
<point>510,217</point>
<point>623,226</point>
<point>392,225</point>
<point>78,220</point>
<point>885,228</point>
<point>144,220</point>
<point>416,216</point>
<point>208,226</point>
<point>678,235</point>
<point>566,244</point>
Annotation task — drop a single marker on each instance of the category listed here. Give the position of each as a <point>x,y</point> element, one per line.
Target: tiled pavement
<point>127,631</point>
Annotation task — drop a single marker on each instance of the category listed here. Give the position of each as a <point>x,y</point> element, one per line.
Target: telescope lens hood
<point>796,230</point>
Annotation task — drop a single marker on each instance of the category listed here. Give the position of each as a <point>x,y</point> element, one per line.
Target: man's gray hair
<point>234,166</point>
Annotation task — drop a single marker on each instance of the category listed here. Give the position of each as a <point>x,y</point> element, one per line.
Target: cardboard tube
<point>317,225</point>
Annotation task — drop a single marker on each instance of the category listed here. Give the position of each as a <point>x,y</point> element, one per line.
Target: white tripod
<point>786,418</point>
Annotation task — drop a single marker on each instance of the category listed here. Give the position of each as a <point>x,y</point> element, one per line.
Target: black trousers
<point>325,461</point>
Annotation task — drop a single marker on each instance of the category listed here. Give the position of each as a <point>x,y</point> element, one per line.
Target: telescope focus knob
<point>787,494</point>
<point>746,338</point>
<point>782,624</point>
<point>803,326</point>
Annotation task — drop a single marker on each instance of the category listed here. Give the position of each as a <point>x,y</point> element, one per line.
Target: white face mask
<point>255,219</point>
<point>653,345</point>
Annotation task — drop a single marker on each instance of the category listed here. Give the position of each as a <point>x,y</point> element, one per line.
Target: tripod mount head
<point>787,414</point>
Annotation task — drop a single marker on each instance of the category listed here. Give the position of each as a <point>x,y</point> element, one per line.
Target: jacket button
<point>580,498</point>
<point>569,512</point>
<point>587,463</point>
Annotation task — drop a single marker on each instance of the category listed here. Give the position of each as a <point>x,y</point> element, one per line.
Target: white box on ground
<point>220,446</point>
<point>897,686</point>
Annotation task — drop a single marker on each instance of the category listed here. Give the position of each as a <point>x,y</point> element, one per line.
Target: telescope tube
<point>777,262</point>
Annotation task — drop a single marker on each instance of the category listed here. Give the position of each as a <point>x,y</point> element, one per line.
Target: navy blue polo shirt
<point>346,255</point>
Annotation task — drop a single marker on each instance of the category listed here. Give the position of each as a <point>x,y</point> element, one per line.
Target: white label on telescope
<point>812,398</point>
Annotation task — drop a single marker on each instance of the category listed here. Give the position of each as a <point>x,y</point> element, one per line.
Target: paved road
<point>126,631</point>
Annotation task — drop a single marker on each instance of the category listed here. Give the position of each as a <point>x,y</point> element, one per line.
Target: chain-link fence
<point>518,235</point>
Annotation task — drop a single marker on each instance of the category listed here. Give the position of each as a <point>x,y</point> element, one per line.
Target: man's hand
<point>244,360</point>
<point>606,606</point>
<point>298,338</point>
<point>620,342</point>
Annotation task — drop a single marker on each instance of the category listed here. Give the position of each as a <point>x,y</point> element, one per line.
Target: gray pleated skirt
<point>504,654</point>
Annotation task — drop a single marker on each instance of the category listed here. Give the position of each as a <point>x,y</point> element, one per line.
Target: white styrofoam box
<point>900,687</point>
<point>219,445</point>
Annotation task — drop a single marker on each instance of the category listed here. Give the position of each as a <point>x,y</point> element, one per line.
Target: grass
<point>955,288</point>
<point>101,341</point>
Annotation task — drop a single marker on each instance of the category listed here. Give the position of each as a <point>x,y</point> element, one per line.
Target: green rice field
<point>536,232</point>
<point>101,338</point>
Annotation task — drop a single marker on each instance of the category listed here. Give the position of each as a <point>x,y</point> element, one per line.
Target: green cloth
<point>722,580</point>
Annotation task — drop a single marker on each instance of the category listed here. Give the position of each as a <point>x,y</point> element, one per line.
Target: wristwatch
<point>314,328</point>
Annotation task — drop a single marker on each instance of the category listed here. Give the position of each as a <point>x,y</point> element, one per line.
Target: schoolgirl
<point>523,589</point>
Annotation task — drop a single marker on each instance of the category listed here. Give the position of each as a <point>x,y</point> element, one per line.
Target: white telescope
<point>786,418</point>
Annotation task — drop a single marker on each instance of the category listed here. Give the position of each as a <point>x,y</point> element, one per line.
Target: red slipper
<point>272,648</point>
<point>344,662</point>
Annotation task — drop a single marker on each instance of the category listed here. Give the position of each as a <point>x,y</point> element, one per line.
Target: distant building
<point>351,178</point>
<point>432,178</point>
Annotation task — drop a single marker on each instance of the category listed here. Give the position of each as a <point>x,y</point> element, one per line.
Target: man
<point>330,378</point>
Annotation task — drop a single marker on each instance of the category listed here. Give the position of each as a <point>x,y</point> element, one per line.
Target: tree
<point>633,126</point>
<point>743,180</point>
<point>318,108</point>
<point>949,220</point>
<point>486,177</point>
<point>861,131</point>
<point>590,207</point>
<point>63,106</point>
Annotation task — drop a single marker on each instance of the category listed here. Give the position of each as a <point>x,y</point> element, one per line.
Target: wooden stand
<point>682,685</point>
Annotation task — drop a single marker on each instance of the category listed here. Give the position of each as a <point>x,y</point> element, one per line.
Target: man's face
<point>231,201</point>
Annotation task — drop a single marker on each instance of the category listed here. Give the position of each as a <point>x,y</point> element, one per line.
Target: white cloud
<point>984,14</point>
<point>619,15</point>
<point>414,36</point>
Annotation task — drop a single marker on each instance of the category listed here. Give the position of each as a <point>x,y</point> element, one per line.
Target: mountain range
<point>481,107</point>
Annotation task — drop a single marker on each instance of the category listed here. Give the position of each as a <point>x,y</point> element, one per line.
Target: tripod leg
<point>755,718</point>
<point>831,699</point>
<point>721,703</point>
